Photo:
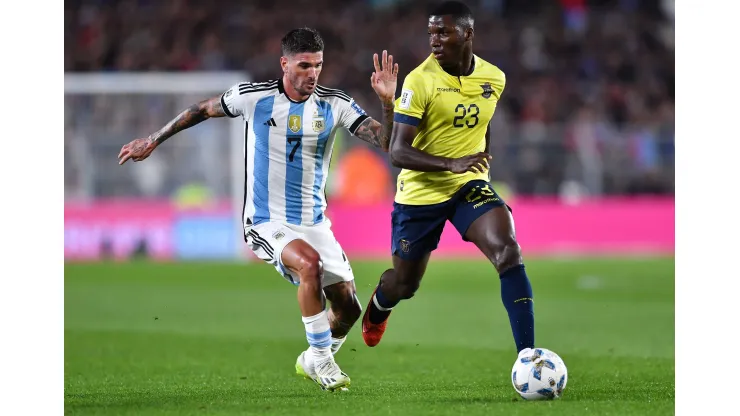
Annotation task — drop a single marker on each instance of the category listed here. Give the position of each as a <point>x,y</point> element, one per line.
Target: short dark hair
<point>302,40</point>
<point>458,10</point>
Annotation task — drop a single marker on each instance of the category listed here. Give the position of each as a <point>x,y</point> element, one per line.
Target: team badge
<point>404,245</point>
<point>318,125</point>
<point>294,123</point>
<point>487,90</point>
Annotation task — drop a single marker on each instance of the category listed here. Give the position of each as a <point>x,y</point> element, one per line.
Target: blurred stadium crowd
<point>589,103</point>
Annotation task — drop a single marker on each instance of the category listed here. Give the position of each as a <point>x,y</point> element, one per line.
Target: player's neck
<point>291,92</point>
<point>463,68</point>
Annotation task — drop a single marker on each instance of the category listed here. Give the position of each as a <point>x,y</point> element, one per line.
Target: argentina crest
<point>294,123</point>
<point>318,124</point>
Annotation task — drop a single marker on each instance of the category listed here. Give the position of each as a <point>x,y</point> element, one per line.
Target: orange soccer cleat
<point>372,333</point>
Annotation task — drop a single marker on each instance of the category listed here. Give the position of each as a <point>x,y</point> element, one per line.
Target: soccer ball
<point>539,374</point>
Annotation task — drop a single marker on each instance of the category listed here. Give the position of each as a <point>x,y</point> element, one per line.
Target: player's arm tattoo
<point>191,116</point>
<point>375,133</point>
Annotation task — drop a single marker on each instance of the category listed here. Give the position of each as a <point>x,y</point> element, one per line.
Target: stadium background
<point>583,146</point>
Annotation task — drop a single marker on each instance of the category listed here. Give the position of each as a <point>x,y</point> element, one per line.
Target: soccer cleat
<point>372,333</point>
<point>303,368</point>
<point>330,377</point>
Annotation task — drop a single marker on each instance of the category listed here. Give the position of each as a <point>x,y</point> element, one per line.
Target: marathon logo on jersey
<point>487,90</point>
<point>406,99</point>
<point>294,123</point>
<point>357,108</point>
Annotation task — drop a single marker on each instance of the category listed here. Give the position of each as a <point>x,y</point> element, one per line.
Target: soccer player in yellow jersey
<point>440,140</point>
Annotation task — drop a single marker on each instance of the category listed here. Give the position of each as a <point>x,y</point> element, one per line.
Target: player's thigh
<point>416,231</point>
<point>269,240</point>
<point>337,268</point>
<point>477,208</point>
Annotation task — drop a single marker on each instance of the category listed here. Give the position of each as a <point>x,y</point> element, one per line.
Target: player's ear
<point>469,34</point>
<point>284,64</point>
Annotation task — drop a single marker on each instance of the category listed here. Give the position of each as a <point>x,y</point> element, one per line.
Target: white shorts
<point>267,240</point>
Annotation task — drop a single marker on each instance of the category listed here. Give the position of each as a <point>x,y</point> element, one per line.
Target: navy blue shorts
<point>417,228</point>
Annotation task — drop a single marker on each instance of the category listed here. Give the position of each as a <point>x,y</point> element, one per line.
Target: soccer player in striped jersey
<point>289,126</point>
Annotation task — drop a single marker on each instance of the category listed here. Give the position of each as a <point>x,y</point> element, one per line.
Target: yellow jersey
<point>451,114</point>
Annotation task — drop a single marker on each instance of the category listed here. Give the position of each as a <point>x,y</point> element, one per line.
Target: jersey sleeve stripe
<point>257,84</point>
<point>243,91</point>
<point>225,107</point>
<point>356,124</point>
<point>405,119</point>
<point>325,94</point>
<point>331,91</point>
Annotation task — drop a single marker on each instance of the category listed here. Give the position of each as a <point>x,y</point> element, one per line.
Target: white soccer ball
<point>539,374</point>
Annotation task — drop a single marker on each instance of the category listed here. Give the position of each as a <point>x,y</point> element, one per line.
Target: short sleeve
<point>351,115</point>
<point>411,105</point>
<point>231,102</point>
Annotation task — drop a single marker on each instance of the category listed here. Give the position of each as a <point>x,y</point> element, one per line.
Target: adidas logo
<point>270,122</point>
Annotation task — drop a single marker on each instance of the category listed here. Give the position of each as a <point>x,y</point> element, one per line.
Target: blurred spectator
<point>589,97</point>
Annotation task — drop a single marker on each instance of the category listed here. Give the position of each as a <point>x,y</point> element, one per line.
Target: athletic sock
<point>380,307</point>
<point>516,294</point>
<point>318,335</point>
<point>336,344</point>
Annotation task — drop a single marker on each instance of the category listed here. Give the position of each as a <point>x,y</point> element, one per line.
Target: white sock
<point>318,335</point>
<point>336,344</point>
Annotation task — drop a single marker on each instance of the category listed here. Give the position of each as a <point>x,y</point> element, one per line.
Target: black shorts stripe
<point>257,239</point>
<point>356,124</point>
<point>270,255</point>
<point>265,249</point>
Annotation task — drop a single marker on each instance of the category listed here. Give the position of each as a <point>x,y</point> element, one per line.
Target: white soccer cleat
<point>330,377</point>
<point>304,367</point>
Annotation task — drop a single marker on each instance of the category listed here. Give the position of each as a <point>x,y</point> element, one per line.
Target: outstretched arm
<point>140,149</point>
<point>405,156</point>
<point>375,133</point>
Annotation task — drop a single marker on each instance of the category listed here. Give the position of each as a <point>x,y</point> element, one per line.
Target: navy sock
<point>376,315</point>
<point>516,293</point>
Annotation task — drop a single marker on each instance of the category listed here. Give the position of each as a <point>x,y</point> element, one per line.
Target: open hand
<point>385,77</point>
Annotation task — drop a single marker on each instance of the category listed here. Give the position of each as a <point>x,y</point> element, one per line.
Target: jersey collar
<point>281,88</point>
<point>474,65</point>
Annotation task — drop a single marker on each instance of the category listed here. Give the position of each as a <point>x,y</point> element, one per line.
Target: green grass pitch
<point>222,339</point>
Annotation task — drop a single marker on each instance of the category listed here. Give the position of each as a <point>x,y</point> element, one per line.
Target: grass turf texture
<point>180,339</point>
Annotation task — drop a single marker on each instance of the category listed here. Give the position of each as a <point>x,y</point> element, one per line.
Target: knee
<point>506,255</point>
<point>311,267</point>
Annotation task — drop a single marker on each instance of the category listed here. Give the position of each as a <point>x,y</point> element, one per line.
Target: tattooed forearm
<point>193,115</point>
<point>378,134</point>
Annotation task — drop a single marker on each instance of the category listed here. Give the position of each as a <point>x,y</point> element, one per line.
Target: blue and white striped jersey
<point>288,148</point>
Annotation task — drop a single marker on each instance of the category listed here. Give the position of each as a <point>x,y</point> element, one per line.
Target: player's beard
<point>304,87</point>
